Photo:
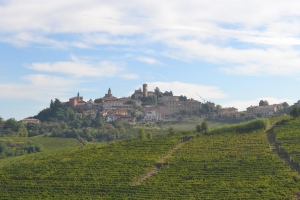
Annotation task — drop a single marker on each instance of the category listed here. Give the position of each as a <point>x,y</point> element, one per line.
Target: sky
<point>233,53</point>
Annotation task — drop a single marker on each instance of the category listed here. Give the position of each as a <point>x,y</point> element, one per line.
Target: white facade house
<point>111,103</point>
<point>110,118</point>
<point>152,115</point>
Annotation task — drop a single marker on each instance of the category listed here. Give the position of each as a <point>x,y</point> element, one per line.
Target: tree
<point>285,104</point>
<point>182,98</point>
<point>171,130</point>
<point>12,124</point>
<point>295,112</point>
<point>22,132</point>
<point>218,107</point>
<point>142,134</point>
<point>204,126</point>
<point>158,93</point>
<point>1,120</point>
<point>168,93</point>
<point>263,103</point>
<point>243,114</point>
<point>149,136</point>
<point>198,128</point>
<point>259,115</point>
<point>152,99</point>
<point>98,101</point>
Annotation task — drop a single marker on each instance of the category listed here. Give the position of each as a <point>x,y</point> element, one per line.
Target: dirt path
<point>275,147</point>
<point>160,163</point>
<point>284,155</point>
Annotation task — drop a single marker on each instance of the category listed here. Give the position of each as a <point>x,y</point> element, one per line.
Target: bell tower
<point>145,90</point>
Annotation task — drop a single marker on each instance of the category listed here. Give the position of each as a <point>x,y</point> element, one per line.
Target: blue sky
<point>232,53</point>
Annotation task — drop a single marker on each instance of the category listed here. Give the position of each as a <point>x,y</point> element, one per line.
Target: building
<point>168,98</point>
<point>77,101</point>
<point>30,121</point>
<point>111,103</point>
<point>175,106</point>
<point>227,111</point>
<point>140,94</point>
<point>297,104</point>
<point>264,110</point>
<point>152,115</point>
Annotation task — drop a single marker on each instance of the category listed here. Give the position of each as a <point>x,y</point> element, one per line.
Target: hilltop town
<point>152,106</point>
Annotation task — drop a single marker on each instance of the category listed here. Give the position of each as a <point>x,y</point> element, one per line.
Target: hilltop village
<point>151,106</point>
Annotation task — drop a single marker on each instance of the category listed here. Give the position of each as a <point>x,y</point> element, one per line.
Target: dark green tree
<point>168,93</point>
<point>204,126</point>
<point>158,93</point>
<point>263,103</point>
<point>295,112</point>
<point>285,104</point>
<point>182,98</point>
<point>198,128</point>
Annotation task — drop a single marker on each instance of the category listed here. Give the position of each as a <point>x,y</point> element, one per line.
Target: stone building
<point>174,107</point>
<point>30,121</point>
<point>140,94</point>
<point>264,110</point>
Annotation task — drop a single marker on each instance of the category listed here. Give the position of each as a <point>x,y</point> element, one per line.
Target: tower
<point>109,91</point>
<point>145,90</point>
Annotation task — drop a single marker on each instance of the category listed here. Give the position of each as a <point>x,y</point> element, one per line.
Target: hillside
<point>221,166</point>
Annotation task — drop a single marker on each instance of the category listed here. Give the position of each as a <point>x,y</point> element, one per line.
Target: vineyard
<point>82,172</point>
<point>217,166</point>
<point>48,143</point>
<point>288,137</point>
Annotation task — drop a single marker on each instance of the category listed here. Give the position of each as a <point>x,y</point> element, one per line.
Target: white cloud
<point>148,60</point>
<point>259,35</point>
<point>188,89</point>
<point>130,76</point>
<point>243,105</point>
<point>37,87</point>
<point>80,69</point>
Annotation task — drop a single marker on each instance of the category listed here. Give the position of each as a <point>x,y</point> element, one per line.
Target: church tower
<point>145,90</point>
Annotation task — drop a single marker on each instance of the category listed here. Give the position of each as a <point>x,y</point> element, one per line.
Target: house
<point>111,103</point>
<point>152,115</point>
<point>264,110</point>
<point>228,111</point>
<point>30,121</point>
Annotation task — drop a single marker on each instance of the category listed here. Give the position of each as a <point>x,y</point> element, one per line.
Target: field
<point>48,143</point>
<point>228,166</point>
<point>288,137</point>
<point>222,166</point>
